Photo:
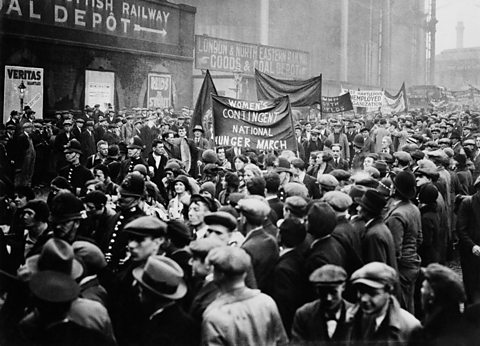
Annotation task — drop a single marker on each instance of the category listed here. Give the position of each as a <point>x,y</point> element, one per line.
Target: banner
<point>365,98</point>
<point>159,92</point>
<point>301,92</point>
<point>202,115</point>
<point>393,104</point>
<point>337,104</point>
<point>217,54</point>
<point>99,89</point>
<point>263,125</point>
<point>32,78</point>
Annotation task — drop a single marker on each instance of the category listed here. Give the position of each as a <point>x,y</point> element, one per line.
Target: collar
<point>369,222</point>
<point>285,251</point>
<point>269,198</point>
<point>319,240</point>
<point>87,279</point>
<point>253,230</point>
<point>159,311</point>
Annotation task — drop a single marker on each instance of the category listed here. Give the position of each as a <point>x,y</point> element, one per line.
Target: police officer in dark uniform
<point>76,174</point>
<point>114,242</point>
<point>134,158</point>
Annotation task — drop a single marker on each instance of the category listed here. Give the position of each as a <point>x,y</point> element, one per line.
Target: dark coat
<point>89,144</point>
<point>290,287</point>
<point>350,240</point>
<point>342,164</point>
<point>158,172</point>
<point>378,244</point>
<point>170,327</point>
<point>311,146</point>
<point>263,250</point>
<point>326,250</point>
<point>312,186</point>
<point>127,165</point>
<point>428,251</point>
<point>468,229</point>
<point>310,325</point>
<point>77,176</point>
<point>277,206</point>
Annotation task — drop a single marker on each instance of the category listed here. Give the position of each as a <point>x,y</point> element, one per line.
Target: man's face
<point>477,141</point>
<point>314,137</point>
<point>221,154</point>
<point>28,217</point>
<point>337,129</point>
<point>368,162</point>
<point>67,127</point>
<point>79,125</point>
<point>421,179</point>
<point>220,232</point>
<point>20,201</point>
<point>99,175</point>
<point>196,213</point>
<point>435,135</point>
<point>170,138</point>
<point>197,134</point>
<point>308,127</point>
<point>372,300</point>
<point>141,247</point>
<point>426,295</point>
<point>103,150</point>
<point>159,149</point>
<point>28,129</point>
<point>182,133</point>
<point>92,210</point>
<point>336,151</point>
<point>71,157</point>
<point>66,230</point>
<point>298,133</point>
<point>365,134</point>
<point>125,202</point>
<point>132,152</point>
<point>330,296</point>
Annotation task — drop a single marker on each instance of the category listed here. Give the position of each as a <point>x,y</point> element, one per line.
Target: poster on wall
<point>99,89</point>
<point>23,86</point>
<point>159,92</point>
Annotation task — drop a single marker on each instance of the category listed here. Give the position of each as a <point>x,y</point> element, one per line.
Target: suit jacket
<point>342,164</point>
<point>172,327</point>
<point>290,288</point>
<point>263,250</point>
<point>312,187</point>
<point>158,172</point>
<point>310,325</point>
<point>277,206</point>
<point>378,244</point>
<point>352,243</point>
<point>89,144</point>
<point>326,250</point>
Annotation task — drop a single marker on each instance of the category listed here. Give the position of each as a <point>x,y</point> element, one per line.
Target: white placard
<point>99,89</point>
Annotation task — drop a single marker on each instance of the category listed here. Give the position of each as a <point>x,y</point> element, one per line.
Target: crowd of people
<point>133,228</point>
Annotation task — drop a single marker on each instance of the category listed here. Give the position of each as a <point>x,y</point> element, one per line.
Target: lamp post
<point>21,89</point>
<point>237,78</point>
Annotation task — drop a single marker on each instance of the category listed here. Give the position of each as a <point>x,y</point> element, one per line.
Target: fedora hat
<point>56,255</point>
<point>54,287</point>
<point>198,128</point>
<point>373,201</point>
<point>162,276</point>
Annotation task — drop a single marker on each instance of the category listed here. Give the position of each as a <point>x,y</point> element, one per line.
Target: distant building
<point>457,68</point>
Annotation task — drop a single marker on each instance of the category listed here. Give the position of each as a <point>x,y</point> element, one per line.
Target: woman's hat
<point>162,276</point>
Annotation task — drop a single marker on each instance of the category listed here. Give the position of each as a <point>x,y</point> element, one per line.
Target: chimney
<point>460,29</point>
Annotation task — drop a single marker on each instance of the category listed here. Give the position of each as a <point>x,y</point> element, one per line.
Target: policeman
<point>76,174</point>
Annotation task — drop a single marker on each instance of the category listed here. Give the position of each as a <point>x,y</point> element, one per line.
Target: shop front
<point>129,53</point>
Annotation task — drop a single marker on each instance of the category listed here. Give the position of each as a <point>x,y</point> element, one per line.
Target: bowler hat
<point>147,226</point>
<point>328,275</point>
<point>54,287</point>
<point>376,275</point>
<point>372,201</point>
<point>162,276</point>
<point>73,146</point>
<point>133,185</point>
<point>427,194</point>
<point>358,141</point>
<point>405,184</point>
<point>40,208</point>
<point>66,207</point>
<point>56,255</point>
<point>198,128</point>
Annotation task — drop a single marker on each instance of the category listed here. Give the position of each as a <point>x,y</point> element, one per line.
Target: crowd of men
<point>133,228</point>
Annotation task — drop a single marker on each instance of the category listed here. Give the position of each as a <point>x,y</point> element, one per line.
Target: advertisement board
<point>32,79</point>
<point>99,89</point>
<point>159,92</point>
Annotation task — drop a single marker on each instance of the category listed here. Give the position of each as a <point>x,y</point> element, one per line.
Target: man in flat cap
<point>262,247</point>
<point>323,321</point>
<point>379,319</point>
<point>222,225</point>
<point>240,315</point>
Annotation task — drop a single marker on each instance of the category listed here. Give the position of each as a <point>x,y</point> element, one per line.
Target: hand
<point>476,250</point>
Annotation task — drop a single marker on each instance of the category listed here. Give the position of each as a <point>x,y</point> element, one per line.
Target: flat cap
<point>295,189</point>
<point>229,260</point>
<point>439,154</point>
<point>402,156</point>
<point>147,226</point>
<point>444,282</point>
<point>253,207</point>
<point>376,275</point>
<point>297,204</point>
<point>327,180</point>
<point>338,200</point>
<point>221,218</point>
<point>469,142</point>
<point>328,275</point>
<point>340,174</point>
<point>201,247</point>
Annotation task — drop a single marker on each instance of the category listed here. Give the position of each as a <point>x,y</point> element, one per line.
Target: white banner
<point>32,78</point>
<point>365,98</point>
<point>99,89</point>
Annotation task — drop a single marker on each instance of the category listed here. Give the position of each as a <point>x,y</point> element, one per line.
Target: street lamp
<point>237,78</point>
<point>21,89</point>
